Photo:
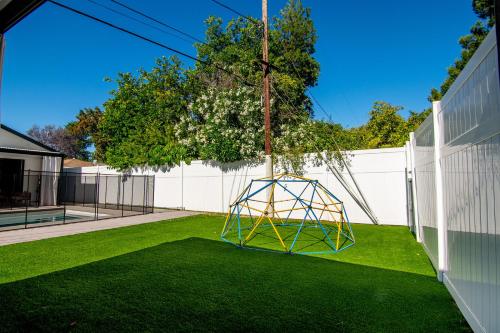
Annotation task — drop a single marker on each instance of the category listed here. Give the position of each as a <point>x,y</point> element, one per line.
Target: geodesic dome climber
<point>288,213</point>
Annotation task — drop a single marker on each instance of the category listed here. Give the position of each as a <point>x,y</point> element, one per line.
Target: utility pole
<point>496,13</point>
<point>267,108</point>
<point>267,102</point>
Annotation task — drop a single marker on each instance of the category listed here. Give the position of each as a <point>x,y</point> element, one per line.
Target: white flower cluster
<point>223,118</point>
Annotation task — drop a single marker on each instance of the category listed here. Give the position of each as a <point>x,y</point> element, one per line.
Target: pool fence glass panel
<point>456,181</point>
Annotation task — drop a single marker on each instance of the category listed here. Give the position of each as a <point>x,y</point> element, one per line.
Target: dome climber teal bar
<point>299,215</point>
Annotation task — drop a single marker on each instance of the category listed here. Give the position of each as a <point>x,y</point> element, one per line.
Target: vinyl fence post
<point>413,145</point>
<point>440,220</point>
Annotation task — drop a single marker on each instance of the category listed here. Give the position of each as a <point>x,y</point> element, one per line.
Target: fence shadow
<point>199,284</point>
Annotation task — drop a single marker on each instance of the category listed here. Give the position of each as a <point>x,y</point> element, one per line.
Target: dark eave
<point>30,152</point>
<point>13,11</point>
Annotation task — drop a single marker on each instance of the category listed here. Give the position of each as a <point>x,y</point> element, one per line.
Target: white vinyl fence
<point>456,186</point>
<point>211,187</point>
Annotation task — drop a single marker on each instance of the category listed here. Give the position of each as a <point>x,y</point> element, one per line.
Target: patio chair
<point>23,197</point>
<point>4,199</point>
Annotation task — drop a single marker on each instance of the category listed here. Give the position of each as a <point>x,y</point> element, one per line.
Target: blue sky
<point>55,61</point>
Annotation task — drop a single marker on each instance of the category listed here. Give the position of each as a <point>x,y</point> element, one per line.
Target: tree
<point>60,139</point>
<point>85,129</point>
<point>484,9</point>
<point>292,48</point>
<point>224,125</point>
<point>417,118</point>
<point>386,128</point>
<point>213,110</point>
<point>138,124</point>
<point>237,47</point>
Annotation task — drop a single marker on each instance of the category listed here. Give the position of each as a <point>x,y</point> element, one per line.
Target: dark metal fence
<point>44,198</point>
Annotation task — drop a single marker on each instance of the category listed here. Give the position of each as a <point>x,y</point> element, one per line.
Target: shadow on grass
<point>202,285</point>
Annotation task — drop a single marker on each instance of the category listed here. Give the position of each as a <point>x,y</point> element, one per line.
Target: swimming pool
<point>39,217</point>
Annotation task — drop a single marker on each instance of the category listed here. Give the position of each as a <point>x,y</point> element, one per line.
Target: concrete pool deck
<point>32,234</point>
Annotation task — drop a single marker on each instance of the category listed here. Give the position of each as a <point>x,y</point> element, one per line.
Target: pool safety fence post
<point>123,191</point>
<point>106,192</point>
<point>132,196</point>
<point>144,194</point>
<point>27,201</point>
<point>96,196</point>
<point>153,195</point>
<point>74,191</point>
<point>63,196</point>
<point>84,183</point>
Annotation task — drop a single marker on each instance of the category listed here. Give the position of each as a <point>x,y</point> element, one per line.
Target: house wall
<point>31,162</point>
<point>211,187</point>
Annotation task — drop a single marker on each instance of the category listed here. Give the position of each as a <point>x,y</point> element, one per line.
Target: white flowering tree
<point>223,124</point>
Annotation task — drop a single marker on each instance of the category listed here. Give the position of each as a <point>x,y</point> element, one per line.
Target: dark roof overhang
<point>13,11</point>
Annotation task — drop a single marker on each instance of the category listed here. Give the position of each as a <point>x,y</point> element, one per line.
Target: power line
<point>173,28</point>
<point>361,200</point>
<point>249,18</point>
<point>134,19</point>
<point>158,21</point>
<point>252,20</point>
<point>149,40</point>
<point>320,106</point>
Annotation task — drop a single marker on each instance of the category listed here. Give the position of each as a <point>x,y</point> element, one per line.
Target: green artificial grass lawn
<point>178,276</point>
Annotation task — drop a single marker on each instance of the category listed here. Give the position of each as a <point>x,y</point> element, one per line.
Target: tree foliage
<point>223,125</point>
<point>138,124</point>
<point>60,139</point>
<point>386,127</point>
<point>484,9</point>
<point>213,110</point>
<point>85,130</point>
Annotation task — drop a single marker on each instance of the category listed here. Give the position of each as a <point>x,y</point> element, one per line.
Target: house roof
<point>27,138</point>
<point>33,147</point>
<point>13,11</point>
<point>75,163</point>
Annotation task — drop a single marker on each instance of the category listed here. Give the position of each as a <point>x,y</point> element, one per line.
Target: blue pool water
<point>21,218</point>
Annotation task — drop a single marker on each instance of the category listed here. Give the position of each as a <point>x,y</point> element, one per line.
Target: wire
<point>363,203</point>
<point>245,47</point>
<point>320,106</point>
<point>150,41</point>
<point>252,20</point>
<point>136,20</point>
<point>249,18</point>
<point>158,21</point>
